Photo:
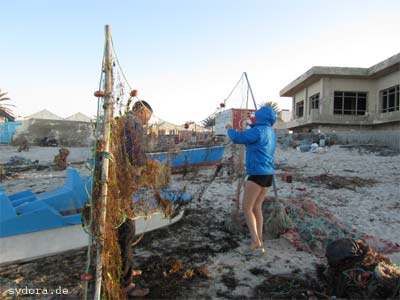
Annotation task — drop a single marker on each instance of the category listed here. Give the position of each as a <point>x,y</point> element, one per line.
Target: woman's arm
<point>248,136</point>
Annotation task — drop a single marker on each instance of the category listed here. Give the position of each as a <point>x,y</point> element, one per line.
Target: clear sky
<point>184,56</point>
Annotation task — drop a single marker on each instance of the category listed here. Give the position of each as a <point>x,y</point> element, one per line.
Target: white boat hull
<point>25,247</point>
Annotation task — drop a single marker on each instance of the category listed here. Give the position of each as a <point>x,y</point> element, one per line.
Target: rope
<point>119,65</point>
<point>226,99</point>
<point>236,85</point>
<point>205,186</point>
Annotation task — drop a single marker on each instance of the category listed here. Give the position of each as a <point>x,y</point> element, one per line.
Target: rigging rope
<point>154,116</point>
<point>236,85</point>
<point>119,65</point>
<point>245,89</point>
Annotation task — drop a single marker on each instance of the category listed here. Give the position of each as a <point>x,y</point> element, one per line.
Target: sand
<point>200,240</point>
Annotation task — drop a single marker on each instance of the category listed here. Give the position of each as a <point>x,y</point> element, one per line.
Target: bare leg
<point>258,213</point>
<point>250,195</point>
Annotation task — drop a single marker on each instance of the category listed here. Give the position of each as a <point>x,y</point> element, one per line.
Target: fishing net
<point>129,172</point>
<point>313,228</point>
<point>126,185</point>
<point>278,221</point>
<point>358,268</point>
<point>124,179</point>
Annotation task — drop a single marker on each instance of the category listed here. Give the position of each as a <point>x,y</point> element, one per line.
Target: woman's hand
<point>228,126</point>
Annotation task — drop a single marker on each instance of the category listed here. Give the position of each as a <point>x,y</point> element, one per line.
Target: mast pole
<point>108,116</point>
<point>251,91</point>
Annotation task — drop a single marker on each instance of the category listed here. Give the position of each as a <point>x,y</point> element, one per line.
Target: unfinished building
<point>341,99</point>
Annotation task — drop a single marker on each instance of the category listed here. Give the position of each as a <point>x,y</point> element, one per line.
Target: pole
<point>251,91</point>
<point>108,116</point>
<point>241,181</point>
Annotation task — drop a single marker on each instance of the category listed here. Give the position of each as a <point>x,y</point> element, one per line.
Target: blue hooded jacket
<point>260,141</point>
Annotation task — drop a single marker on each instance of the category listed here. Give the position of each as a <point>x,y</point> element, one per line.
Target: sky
<point>183,56</point>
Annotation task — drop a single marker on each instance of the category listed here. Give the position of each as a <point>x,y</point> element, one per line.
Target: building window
<point>314,101</point>
<point>390,99</point>
<point>350,103</point>
<point>300,109</point>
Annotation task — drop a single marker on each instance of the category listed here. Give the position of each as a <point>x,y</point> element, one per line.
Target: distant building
<point>79,117</point>
<point>45,115</point>
<point>76,130</point>
<point>336,98</point>
<point>285,115</point>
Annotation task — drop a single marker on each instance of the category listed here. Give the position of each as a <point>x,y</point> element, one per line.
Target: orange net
<point>123,180</point>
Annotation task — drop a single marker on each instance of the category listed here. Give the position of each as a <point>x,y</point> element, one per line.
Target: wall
<point>68,133</point>
<point>385,137</point>
<point>286,115</point>
<point>304,95</point>
<point>395,126</point>
<point>384,83</point>
<point>7,130</point>
<point>390,139</point>
<point>388,81</point>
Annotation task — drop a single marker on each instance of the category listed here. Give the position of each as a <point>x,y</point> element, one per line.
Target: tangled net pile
<point>314,228</point>
<point>369,275</point>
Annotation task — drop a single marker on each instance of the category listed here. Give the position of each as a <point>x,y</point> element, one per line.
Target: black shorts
<point>261,180</point>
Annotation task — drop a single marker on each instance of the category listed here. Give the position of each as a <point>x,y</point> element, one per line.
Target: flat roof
<point>315,73</point>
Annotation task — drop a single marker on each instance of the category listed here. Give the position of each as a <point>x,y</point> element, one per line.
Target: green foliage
<point>5,106</point>
<point>209,122</point>
<point>271,104</point>
<point>274,106</point>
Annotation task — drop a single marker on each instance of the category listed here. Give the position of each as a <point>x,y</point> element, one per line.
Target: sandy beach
<point>199,258</point>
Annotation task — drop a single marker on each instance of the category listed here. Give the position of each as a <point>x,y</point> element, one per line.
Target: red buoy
<point>86,276</point>
<point>186,126</point>
<point>99,93</point>
<point>134,93</point>
<point>222,104</point>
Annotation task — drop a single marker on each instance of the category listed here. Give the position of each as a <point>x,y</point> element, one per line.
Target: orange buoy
<point>99,93</point>
<point>134,93</point>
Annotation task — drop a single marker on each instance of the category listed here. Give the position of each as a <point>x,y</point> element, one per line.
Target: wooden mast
<point>107,119</point>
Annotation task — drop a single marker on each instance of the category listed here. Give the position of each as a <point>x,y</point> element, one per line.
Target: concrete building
<point>341,99</point>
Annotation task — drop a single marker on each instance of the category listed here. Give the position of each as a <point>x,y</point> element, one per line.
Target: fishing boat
<point>38,225</point>
<point>191,157</point>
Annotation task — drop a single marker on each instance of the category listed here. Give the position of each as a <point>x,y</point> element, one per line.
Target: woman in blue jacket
<point>260,142</point>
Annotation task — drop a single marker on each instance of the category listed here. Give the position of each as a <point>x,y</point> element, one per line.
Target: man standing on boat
<point>133,137</point>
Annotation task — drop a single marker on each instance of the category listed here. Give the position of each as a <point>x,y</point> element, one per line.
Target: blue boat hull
<point>26,212</point>
<point>205,156</point>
